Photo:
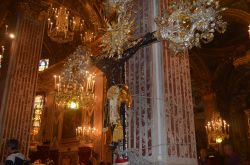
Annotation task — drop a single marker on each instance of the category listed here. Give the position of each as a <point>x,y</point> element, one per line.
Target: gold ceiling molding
<point>236,15</point>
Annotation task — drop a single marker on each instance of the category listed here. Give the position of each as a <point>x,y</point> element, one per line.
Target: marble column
<point>161,120</point>
<point>180,143</point>
<point>180,131</point>
<point>18,97</point>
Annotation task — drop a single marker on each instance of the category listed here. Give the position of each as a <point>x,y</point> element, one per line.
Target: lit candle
<point>55,81</point>
<point>48,23</point>
<point>6,28</point>
<point>249,31</point>
<point>51,24</point>
<point>93,85</point>
<point>88,84</point>
<point>58,87</point>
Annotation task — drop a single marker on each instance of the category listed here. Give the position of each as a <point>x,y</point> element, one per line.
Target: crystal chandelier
<point>185,25</point>
<point>86,134</point>
<point>75,88</point>
<point>61,25</point>
<point>88,37</point>
<point>188,24</point>
<point>217,129</point>
<point>119,35</point>
<point>74,95</point>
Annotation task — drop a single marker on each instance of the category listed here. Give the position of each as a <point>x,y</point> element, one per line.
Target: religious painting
<point>71,120</point>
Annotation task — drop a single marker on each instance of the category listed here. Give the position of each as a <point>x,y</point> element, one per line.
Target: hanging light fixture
<point>185,25</point>
<point>75,88</point>
<point>62,25</point>
<point>119,35</point>
<point>86,134</point>
<point>217,129</point>
<point>88,37</point>
<point>189,23</point>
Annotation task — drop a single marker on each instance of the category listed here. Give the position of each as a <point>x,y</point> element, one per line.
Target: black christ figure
<point>114,69</point>
<point>114,72</point>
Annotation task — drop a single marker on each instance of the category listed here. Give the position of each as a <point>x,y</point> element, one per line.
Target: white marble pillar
<point>161,121</point>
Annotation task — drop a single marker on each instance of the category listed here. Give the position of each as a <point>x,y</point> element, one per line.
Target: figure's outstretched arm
<point>141,42</point>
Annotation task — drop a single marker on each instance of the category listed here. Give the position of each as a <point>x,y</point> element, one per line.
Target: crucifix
<point>114,72</point>
<point>180,24</point>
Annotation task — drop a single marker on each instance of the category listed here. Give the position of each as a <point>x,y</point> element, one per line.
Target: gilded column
<point>21,79</point>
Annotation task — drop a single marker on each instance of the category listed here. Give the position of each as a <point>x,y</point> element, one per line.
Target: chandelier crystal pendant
<point>188,24</point>
<point>62,25</point>
<point>75,88</point>
<point>217,129</point>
